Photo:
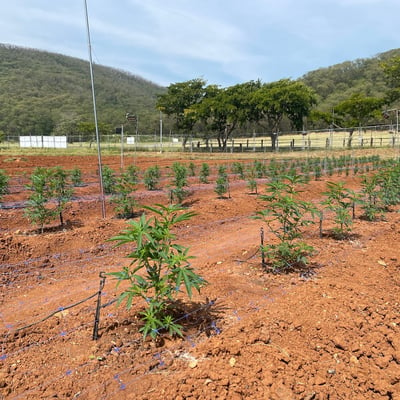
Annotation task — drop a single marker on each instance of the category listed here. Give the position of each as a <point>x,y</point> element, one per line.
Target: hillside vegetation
<point>338,82</point>
<point>42,92</point>
<point>48,93</point>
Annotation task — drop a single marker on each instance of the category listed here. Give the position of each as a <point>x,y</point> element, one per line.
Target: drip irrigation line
<point>43,342</point>
<point>57,311</point>
<point>159,356</point>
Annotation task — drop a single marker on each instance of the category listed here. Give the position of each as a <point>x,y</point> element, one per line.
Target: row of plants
<point>160,269</point>
<point>285,214</point>
<point>151,177</point>
<point>46,202</point>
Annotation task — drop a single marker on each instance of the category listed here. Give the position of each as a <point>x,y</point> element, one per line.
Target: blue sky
<point>223,42</point>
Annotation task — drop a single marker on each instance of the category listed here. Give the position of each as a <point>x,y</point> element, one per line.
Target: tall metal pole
<point>122,147</point>
<point>161,132</point>
<point>102,199</point>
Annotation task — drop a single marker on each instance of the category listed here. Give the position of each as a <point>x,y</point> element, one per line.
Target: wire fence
<point>375,136</point>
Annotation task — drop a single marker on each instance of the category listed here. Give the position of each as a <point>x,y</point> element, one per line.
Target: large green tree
<point>358,109</point>
<point>225,109</point>
<point>178,102</point>
<point>283,98</point>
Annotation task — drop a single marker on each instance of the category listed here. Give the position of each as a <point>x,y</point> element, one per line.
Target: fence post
<point>262,247</point>
<point>97,315</point>
<point>321,219</point>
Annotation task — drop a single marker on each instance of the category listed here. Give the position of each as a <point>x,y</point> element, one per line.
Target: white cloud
<point>223,41</point>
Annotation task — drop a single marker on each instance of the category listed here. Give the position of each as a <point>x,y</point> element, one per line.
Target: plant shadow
<point>67,226</point>
<point>197,317</point>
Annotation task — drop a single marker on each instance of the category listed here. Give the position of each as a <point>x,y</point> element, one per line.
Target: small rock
<point>193,364</point>
<point>339,343</point>
<point>320,380</point>
<point>232,361</point>
<point>354,360</point>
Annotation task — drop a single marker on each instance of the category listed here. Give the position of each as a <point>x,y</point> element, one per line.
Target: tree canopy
<point>222,110</point>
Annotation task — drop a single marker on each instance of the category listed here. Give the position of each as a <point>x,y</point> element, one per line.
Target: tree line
<point>43,93</point>
<point>218,112</point>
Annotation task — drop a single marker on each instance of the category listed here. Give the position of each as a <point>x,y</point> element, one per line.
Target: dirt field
<point>329,334</point>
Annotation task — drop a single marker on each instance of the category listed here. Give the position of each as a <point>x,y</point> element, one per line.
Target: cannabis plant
<point>152,177</point>
<point>285,216</point>
<point>76,177</point>
<point>109,179</point>
<point>3,183</point>
<point>178,191</point>
<point>61,190</point>
<point>222,182</point>
<point>159,269</point>
<point>123,198</point>
<point>38,210</point>
<point>340,201</point>
<point>204,173</point>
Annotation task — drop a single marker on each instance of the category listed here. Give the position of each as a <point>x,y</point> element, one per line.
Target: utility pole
<point>102,199</point>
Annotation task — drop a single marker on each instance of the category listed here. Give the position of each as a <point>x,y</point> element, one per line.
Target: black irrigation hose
<point>57,311</point>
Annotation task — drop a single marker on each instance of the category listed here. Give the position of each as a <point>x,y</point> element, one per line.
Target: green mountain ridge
<point>43,91</point>
<point>338,82</point>
<point>49,93</point>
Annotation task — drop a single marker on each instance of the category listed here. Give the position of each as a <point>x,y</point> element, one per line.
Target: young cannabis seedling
<point>204,173</point>
<point>3,183</point>
<point>252,180</point>
<point>38,210</point>
<point>132,174</point>
<point>192,169</point>
<point>340,201</point>
<point>238,169</point>
<point>285,216</point>
<point>222,182</point>
<point>109,179</point>
<point>178,191</point>
<point>371,203</point>
<point>159,270</point>
<point>76,177</point>
<point>61,190</point>
<point>152,177</point>
<point>123,198</point>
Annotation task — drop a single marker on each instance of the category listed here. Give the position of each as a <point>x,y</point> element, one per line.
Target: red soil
<point>331,334</point>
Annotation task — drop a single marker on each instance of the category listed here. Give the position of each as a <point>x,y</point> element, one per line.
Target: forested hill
<point>48,93</point>
<point>338,82</point>
<point>45,92</point>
